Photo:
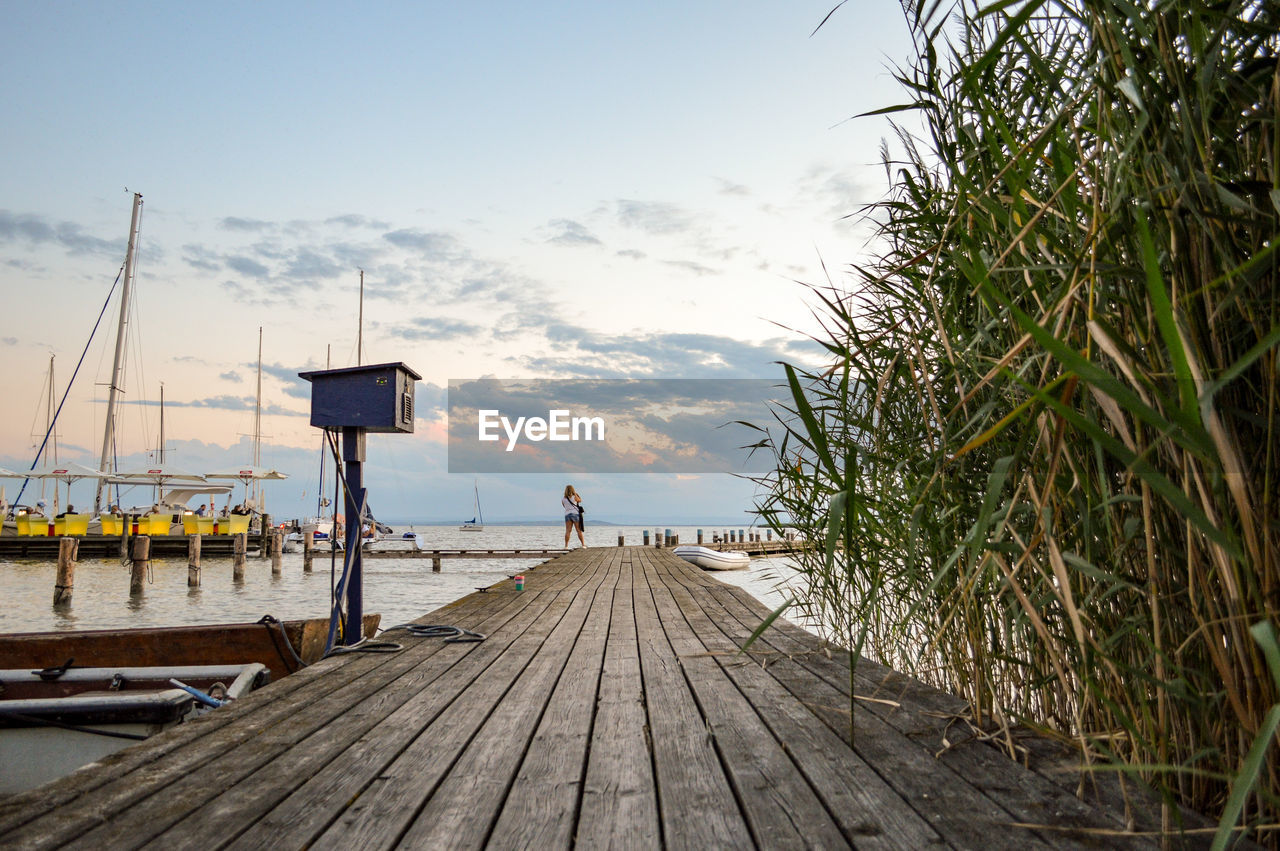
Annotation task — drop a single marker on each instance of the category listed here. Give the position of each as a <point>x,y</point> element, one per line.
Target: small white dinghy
<point>709,559</point>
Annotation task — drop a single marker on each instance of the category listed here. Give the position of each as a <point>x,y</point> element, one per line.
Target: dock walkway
<point>607,707</point>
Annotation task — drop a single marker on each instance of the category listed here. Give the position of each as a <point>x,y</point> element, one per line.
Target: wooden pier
<point>608,706</point>
<point>380,551</point>
<point>108,546</point>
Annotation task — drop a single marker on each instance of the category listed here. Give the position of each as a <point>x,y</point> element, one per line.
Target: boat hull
<point>215,644</point>
<point>709,559</point>
<point>51,726</point>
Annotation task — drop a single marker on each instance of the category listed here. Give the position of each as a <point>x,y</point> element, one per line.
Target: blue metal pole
<point>353,463</point>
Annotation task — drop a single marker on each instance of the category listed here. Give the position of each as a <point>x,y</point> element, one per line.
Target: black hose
<point>455,634</point>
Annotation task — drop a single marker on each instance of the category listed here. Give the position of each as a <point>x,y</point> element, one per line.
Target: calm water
<point>399,589</point>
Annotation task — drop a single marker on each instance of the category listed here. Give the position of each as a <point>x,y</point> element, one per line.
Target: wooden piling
<point>68,550</point>
<point>264,535</point>
<point>699,537</point>
<point>141,557</point>
<point>193,560</point>
<point>239,547</point>
<point>308,548</point>
<point>126,524</point>
<point>646,537</point>
<point>621,540</point>
<point>435,564</point>
<point>276,547</point>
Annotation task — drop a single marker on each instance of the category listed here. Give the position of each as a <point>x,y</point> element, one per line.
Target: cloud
<point>730,188</point>
<point>632,254</point>
<point>236,223</point>
<point>571,233</point>
<point>433,246</point>
<point>248,268</point>
<point>199,257</point>
<point>690,266</point>
<point>36,230</point>
<point>225,402</point>
<point>9,341</point>
<point>307,264</point>
<point>439,329</point>
<point>581,352</point>
<point>653,217</point>
<point>232,376</point>
<point>355,221</point>
<point>840,192</point>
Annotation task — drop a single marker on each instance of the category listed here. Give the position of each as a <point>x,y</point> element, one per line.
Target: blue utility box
<point>376,398</point>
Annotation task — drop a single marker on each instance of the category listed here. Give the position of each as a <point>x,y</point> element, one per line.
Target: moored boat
<point>709,559</point>
<point>54,720</point>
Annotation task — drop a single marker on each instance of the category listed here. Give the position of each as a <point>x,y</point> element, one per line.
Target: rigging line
<point>74,373</point>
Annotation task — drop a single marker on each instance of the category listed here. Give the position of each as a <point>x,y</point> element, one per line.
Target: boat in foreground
<point>283,646</point>
<point>69,698</point>
<point>55,720</point>
<point>709,559</point>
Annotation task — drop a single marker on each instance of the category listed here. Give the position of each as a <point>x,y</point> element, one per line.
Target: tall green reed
<point>1041,466</point>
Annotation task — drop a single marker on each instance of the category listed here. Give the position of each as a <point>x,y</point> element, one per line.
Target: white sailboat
<point>476,523</point>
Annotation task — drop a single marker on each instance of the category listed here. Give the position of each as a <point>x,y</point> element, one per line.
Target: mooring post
<point>646,537</point>
<point>126,524</point>
<point>435,564</point>
<point>264,535</point>
<point>68,550</point>
<point>239,547</point>
<point>193,560</point>
<point>621,541</point>
<point>141,558</point>
<point>276,547</point>
<point>699,537</point>
<point>308,548</point>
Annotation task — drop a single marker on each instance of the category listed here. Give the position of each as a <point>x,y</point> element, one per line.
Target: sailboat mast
<point>162,423</point>
<point>49,411</point>
<point>360,326</point>
<point>117,364</point>
<point>257,427</point>
<point>48,427</point>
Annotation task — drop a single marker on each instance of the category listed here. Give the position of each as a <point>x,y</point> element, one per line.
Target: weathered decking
<point>607,707</point>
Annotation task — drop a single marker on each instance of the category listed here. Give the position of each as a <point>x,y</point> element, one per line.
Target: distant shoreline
<point>591,521</point>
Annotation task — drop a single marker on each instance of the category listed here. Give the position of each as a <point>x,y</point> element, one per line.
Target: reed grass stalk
<point>1042,466</point>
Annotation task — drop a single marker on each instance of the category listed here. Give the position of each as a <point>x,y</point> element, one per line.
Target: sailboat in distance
<point>474,525</point>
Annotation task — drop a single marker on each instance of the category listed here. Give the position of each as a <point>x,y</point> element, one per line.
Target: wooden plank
<point>607,708</point>
<point>870,813</point>
<point>619,797</point>
<point>695,802</point>
<point>1013,794</point>
<point>541,808</point>
<point>470,799</point>
<point>378,817</point>
<point>272,703</point>
<point>324,759</point>
<point>178,760</point>
<point>780,806</point>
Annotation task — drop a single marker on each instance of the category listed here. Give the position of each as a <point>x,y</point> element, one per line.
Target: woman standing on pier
<point>571,502</point>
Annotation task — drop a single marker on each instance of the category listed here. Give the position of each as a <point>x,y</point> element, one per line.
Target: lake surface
<point>400,590</point>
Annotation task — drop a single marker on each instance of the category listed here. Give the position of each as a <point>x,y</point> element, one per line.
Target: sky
<point>533,191</point>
